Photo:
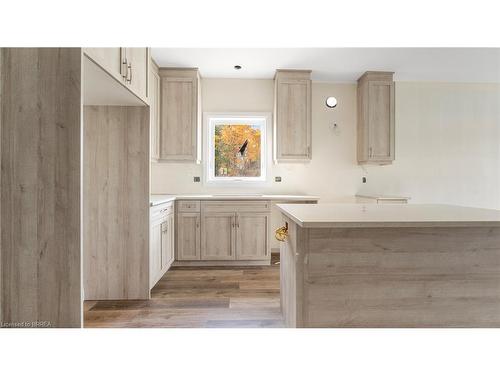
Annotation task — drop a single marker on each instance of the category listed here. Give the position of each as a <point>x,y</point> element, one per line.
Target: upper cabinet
<point>292,115</point>
<point>180,119</point>
<point>130,66</point>
<point>154,105</point>
<point>376,118</point>
<point>107,58</point>
<point>135,67</point>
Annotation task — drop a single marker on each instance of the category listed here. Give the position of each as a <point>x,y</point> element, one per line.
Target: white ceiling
<point>340,64</point>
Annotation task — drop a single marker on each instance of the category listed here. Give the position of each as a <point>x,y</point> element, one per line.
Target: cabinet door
<point>137,76</point>
<point>252,236</point>
<point>188,236</point>
<point>293,119</point>
<point>217,236</point>
<point>380,120</point>
<point>179,118</point>
<point>165,244</point>
<point>171,239</point>
<point>154,105</point>
<point>155,253</point>
<point>107,58</point>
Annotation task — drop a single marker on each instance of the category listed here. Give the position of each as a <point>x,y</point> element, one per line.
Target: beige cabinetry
<point>155,252</point>
<point>252,235</point>
<point>187,232</point>
<point>130,66</point>
<point>217,236</point>
<point>180,120</point>
<point>235,230</point>
<point>167,242</point>
<point>292,115</point>
<point>107,58</point>
<point>161,255</point>
<point>154,105</point>
<point>375,118</point>
<point>135,67</point>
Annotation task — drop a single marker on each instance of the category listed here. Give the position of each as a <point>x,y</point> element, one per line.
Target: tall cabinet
<point>154,105</point>
<point>292,115</point>
<point>180,118</point>
<point>376,118</point>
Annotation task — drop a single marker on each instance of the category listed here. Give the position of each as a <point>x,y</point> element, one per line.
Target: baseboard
<point>228,263</point>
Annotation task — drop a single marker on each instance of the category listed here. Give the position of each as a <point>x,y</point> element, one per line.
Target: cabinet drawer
<point>161,210</point>
<point>188,206</point>
<point>235,206</point>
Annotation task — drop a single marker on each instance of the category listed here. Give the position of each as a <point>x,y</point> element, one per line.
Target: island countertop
<point>344,215</point>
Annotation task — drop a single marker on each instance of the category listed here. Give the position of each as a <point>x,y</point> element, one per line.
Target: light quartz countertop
<point>398,215</point>
<point>382,197</point>
<point>160,199</point>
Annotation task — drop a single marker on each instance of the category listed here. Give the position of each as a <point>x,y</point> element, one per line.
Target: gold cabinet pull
<point>281,233</point>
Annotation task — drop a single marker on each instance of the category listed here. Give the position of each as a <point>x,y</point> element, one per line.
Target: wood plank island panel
<point>391,277</point>
<point>116,202</point>
<point>40,174</point>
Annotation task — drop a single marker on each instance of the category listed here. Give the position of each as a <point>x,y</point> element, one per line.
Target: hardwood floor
<point>194,297</point>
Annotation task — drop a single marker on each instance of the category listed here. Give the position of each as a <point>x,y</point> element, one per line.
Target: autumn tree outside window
<point>237,148</point>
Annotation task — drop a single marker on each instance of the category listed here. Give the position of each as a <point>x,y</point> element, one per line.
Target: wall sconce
<point>331,102</point>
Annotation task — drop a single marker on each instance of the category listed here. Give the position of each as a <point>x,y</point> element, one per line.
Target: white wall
<point>447,144</point>
<point>332,174</point>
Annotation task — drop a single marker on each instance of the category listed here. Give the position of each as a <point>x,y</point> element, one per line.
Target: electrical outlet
<point>277,179</point>
<point>364,180</point>
<point>196,179</point>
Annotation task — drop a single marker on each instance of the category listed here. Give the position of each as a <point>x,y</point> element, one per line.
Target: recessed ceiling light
<point>237,67</point>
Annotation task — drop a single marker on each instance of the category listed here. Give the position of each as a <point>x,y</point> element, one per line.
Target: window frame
<point>208,149</point>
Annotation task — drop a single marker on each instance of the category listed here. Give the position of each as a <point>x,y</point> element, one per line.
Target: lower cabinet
<point>188,236</point>
<point>223,230</point>
<point>161,254</point>
<point>252,235</point>
<point>217,236</point>
<point>167,242</point>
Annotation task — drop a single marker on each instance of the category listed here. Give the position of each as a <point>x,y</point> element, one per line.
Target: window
<point>236,147</point>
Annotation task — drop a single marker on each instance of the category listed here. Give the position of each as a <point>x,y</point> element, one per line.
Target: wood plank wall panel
<point>1,80</point>
<point>116,202</point>
<point>292,273</point>
<point>40,212</point>
<point>403,277</point>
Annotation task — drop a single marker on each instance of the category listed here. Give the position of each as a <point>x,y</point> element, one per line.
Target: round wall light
<point>331,102</point>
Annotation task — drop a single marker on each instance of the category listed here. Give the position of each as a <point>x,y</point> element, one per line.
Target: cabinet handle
<point>370,152</point>
<point>237,220</point>
<point>124,68</point>
<point>129,73</point>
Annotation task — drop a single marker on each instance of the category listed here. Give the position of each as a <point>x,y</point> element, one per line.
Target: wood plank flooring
<point>194,297</point>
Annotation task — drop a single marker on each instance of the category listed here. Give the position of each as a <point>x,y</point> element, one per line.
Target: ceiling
<point>340,64</point>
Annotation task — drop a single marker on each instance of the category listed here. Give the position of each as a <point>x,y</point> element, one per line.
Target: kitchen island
<point>355,265</point>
